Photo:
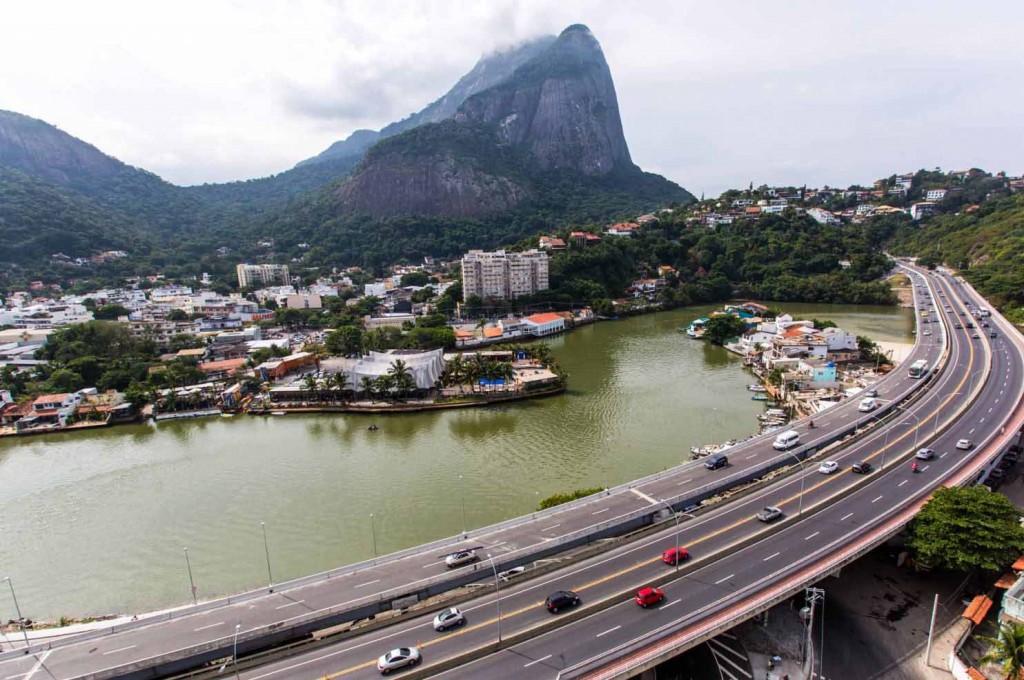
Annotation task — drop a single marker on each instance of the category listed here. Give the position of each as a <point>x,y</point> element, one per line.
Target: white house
<point>935,194</point>
<point>547,323</point>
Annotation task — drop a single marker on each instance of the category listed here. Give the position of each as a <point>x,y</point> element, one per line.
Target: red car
<point>675,555</point>
<point>645,597</point>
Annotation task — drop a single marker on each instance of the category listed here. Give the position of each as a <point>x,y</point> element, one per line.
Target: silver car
<point>398,658</point>
<point>449,618</point>
<point>457,559</point>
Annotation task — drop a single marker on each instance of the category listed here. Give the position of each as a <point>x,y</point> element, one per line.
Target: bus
<point>919,368</point>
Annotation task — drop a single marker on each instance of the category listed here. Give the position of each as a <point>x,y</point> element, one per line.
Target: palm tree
<point>367,385</point>
<point>1006,650</point>
<point>339,383</point>
<point>384,384</point>
<point>405,384</point>
<point>310,383</point>
<point>398,369</point>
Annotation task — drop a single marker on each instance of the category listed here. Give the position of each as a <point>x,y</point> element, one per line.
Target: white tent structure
<point>425,366</point>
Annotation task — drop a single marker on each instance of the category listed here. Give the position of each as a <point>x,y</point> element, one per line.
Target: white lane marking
<point>812,535</point>
<point>750,456</point>
<point>368,583</point>
<point>647,498</point>
<point>773,555</point>
<point>846,517</point>
<point>877,499</point>
<point>723,580</point>
<point>688,479</point>
<point>212,625</point>
<point>924,468</point>
<point>903,482</point>
<point>11,677</point>
<point>121,649</point>
<point>39,664</point>
<point>610,630</point>
<point>666,606</point>
<point>495,545</point>
<point>434,564</point>
<point>600,511</point>
<point>543,658</point>
<point>551,527</point>
<point>982,420</point>
<point>290,604</point>
<point>971,431</point>
<point>943,455</point>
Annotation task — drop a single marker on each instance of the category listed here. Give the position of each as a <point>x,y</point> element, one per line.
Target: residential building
<point>623,229</point>
<point>504,275</point>
<point>262,275</point>
<point>822,216</point>
<point>388,320</point>
<point>547,323</point>
<point>584,239</point>
<point>923,209</point>
<point>303,301</point>
<point>551,243</point>
<point>935,194</point>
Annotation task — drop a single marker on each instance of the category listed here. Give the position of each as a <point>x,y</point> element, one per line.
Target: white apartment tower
<point>262,275</point>
<point>502,275</point>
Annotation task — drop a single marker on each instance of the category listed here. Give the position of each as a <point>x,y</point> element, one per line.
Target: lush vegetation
<point>986,245</point>
<point>560,498</point>
<point>965,529</point>
<point>719,329</point>
<point>1006,650</point>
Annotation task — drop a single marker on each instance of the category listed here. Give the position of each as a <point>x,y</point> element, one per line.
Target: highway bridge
<point>728,569</point>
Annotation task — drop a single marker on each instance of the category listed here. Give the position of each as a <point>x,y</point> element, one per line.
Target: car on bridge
<point>861,467</point>
<point>769,514</point>
<point>924,454</point>
<point>647,597</point>
<point>449,618</point>
<point>828,467</point>
<point>716,461</point>
<point>675,555</point>
<point>457,559</point>
<point>964,444</point>
<point>560,599</point>
<point>398,658</point>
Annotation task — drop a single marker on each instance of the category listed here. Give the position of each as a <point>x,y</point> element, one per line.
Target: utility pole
<point>811,597</point>
<point>931,631</point>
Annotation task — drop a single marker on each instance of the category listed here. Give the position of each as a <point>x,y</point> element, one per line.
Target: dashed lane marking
<point>846,517</point>
<point>772,556</point>
<point>610,630</point>
<point>812,535</point>
<point>903,482</point>
<point>290,604</point>
<point>368,583</point>
<point>723,580</point>
<point>543,658</point>
<point>212,625</point>
<point>120,649</point>
<point>600,511</point>
<point>877,499</point>
<point>641,494</point>
<point>551,527</point>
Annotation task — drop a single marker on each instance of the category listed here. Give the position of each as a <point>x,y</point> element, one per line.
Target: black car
<point>862,467</point>
<point>561,599</point>
<point>716,461</point>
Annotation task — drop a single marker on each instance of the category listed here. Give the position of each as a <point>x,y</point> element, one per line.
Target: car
<point>828,467</point>
<point>510,574</point>
<point>769,514</point>
<point>924,454</point>
<point>449,618</point>
<point>957,326</point>
<point>560,599</point>
<point>964,444</point>
<point>675,555</point>
<point>871,393</point>
<point>716,461</point>
<point>992,334</point>
<point>861,467</point>
<point>927,332</point>
<point>398,658</point>
<point>457,559</point>
<point>975,336</point>
<point>646,597</point>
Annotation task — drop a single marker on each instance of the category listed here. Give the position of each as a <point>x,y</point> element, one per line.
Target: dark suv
<point>561,599</point>
<point>862,467</point>
<point>716,461</point>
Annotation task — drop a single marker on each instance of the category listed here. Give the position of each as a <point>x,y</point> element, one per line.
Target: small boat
<point>756,388</point>
<point>279,413</point>
<point>759,397</point>
<point>373,428</point>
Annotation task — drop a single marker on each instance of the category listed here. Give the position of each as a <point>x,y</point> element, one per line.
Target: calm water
<point>94,523</point>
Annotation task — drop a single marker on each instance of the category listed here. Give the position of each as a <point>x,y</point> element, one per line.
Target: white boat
<point>279,413</point>
<point>757,388</point>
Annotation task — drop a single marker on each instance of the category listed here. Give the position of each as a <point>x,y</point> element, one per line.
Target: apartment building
<point>262,275</point>
<point>505,276</point>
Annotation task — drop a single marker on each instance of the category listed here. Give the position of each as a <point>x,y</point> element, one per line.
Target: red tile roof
<point>51,398</point>
<point>230,365</point>
<point>546,317</point>
<point>977,609</point>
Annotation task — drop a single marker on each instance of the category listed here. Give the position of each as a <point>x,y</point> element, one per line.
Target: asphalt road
<point>387,578</point>
<point>705,587</point>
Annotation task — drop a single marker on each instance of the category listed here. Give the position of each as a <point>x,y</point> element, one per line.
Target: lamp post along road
<point>373,536</point>
<point>675,515</point>
<point>266,550</point>
<point>234,649</point>
<point>21,619</point>
<point>191,582</point>
<point>497,594</point>
<point>462,496</point>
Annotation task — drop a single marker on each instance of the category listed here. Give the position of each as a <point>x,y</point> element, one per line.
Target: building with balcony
<point>503,275</point>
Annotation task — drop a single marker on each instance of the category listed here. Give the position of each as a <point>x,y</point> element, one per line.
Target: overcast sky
<point>713,94</point>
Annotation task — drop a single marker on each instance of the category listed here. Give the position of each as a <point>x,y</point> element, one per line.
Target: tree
<point>345,341</point>
<point>64,380</point>
<point>110,312</point>
<point>339,383</point>
<point>310,384</point>
<point>720,328</point>
<point>177,315</point>
<point>415,279</point>
<point>1006,650</point>
<point>367,385</point>
<point>963,529</point>
<point>384,384</point>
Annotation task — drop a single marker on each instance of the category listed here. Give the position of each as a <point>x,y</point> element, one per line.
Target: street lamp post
<point>191,582</point>
<point>266,550</point>
<point>462,496</point>
<point>803,480</point>
<point>675,516</point>
<point>21,619</point>
<point>373,536</point>
<point>917,430</point>
<point>497,595</point>
<point>234,649</point>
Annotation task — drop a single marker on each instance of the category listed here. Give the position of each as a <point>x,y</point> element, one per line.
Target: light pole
<point>462,496</point>
<point>266,550</point>
<point>675,516</point>
<point>373,536</point>
<point>191,582</point>
<point>21,619</point>
<point>497,595</point>
<point>803,479</point>
<point>234,649</point>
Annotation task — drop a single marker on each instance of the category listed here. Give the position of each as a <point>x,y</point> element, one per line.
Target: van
<point>786,440</point>
<point>867,404</point>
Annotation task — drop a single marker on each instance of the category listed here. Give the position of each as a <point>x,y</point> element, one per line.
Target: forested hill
<point>985,244</point>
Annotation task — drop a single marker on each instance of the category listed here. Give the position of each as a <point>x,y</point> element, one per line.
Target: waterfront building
<point>425,366</point>
<point>262,275</point>
<point>548,323</point>
<point>503,275</point>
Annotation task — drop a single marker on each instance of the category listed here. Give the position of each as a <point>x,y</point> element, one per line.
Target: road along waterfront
<point>96,522</point>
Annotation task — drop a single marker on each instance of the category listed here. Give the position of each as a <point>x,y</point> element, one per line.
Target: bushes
<point>560,498</point>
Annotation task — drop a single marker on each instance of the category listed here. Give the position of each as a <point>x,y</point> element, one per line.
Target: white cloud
<point>712,94</point>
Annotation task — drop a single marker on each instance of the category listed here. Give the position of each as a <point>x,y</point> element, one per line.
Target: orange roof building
<point>977,609</point>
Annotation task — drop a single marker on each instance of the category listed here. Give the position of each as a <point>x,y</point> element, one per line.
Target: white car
<point>398,658</point>
<point>964,445</point>
<point>449,618</point>
<point>924,454</point>
<point>457,559</point>
<point>828,467</point>
<point>927,332</point>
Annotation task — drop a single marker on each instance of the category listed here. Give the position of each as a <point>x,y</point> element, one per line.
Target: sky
<point>713,94</point>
